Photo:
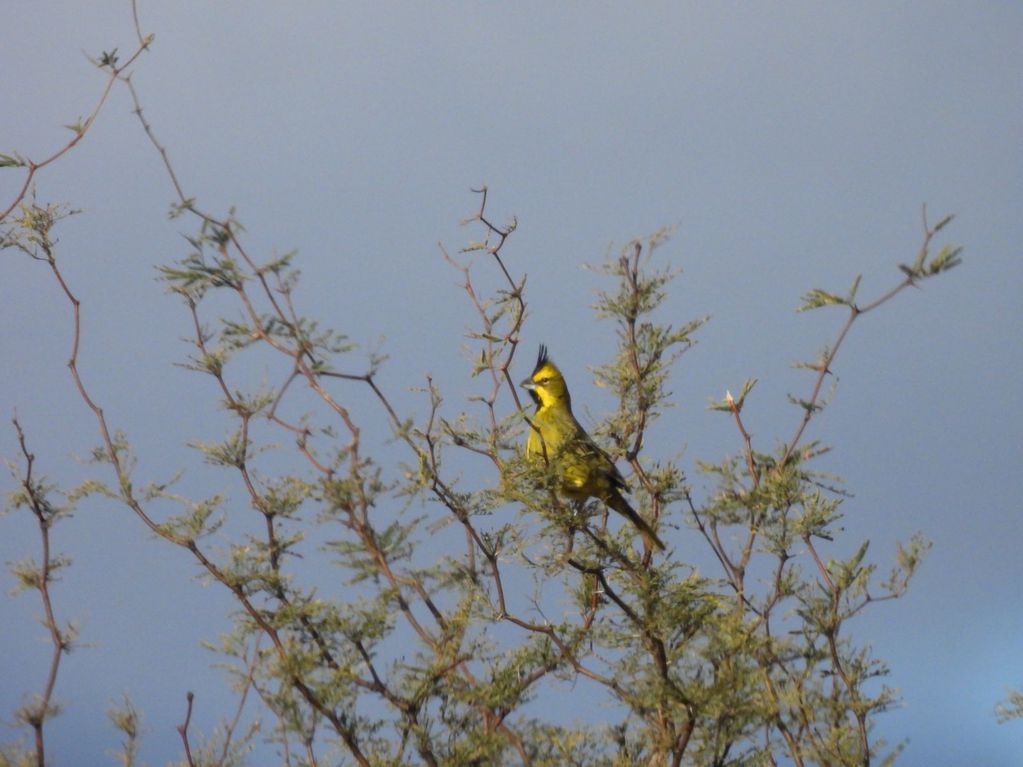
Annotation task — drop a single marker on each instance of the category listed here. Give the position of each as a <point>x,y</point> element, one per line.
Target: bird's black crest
<point>541,358</point>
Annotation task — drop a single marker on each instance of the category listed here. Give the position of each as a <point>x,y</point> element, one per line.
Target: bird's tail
<point>617,502</point>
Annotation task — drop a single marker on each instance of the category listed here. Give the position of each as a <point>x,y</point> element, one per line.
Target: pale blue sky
<point>792,145</point>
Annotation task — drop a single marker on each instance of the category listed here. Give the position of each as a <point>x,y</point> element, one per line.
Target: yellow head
<point>546,385</point>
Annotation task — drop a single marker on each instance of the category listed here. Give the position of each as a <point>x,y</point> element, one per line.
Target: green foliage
<point>464,587</point>
<point>126,719</point>
<point>16,755</point>
<point>30,231</point>
<point>108,59</point>
<point>1011,708</point>
<point>12,160</point>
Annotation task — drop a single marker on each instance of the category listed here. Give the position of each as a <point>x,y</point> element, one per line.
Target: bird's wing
<point>595,456</point>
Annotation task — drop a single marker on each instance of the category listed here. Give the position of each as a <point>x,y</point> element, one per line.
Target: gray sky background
<point>791,144</point>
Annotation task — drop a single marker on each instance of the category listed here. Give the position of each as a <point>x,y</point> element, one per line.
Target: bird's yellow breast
<point>557,437</point>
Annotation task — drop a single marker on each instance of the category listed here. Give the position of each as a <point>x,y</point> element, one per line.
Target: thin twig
<point>183,728</point>
<point>44,515</point>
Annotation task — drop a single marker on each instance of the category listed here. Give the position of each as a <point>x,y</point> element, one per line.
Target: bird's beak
<point>527,383</point>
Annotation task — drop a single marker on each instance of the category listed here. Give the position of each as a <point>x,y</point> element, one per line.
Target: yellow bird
<point>557,439</point>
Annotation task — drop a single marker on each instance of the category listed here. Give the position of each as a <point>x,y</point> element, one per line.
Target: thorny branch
<point>82,126</point>
<point>45,515</point>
